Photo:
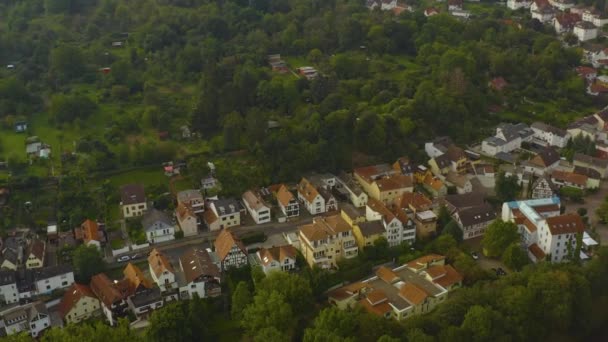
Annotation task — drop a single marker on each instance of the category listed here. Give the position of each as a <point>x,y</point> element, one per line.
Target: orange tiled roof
<point>387,275</point>
<point>72,296</point>
<point>565,224</point>
<point>159,263</point>
<point>284,196</point>
<point>224,242</point>
<point>135,278</point>
<point>412,293</point>
<point>90,230</point>
<point>307,190</point>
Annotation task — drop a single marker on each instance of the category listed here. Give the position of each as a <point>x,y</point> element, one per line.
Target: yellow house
<point>412,289</point>
<point>383,183</point>
<point>35,254</point>
<point>351,215</point>
<point>78,303</point>
<point>368,232</point>
<point>327,240</point>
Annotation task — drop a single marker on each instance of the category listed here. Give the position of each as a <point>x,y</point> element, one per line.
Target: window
<point>48,287</point>
<point>141,206</point>
<point>193,286</point>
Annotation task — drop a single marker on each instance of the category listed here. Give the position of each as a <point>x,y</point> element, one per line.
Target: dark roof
<point>196,263</point>
<point>463,201</point>
<point>443,161</point>
<point>587,171</point>
<point>226,206</point>
<point>37,249</point>
<point>455,153</point>
<point>48,272</point>
<point>151,217</point>
<point>7,277</point>
<point>146,297</point>
<point>371,228</point>
<point>548,128</point>
<point>565,224</point>
<point>25,280</point>
<point>583,158</point>
<point>11,255</point>
<point>132,193</point>
<point>549,156</point>
<point>476,215</point>
<point>105,290</point>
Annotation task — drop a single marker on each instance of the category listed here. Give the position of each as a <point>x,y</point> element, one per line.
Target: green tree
<point>484,324</point>
<point>233,130</point>
<point>87,261</point>
<point>169,324</point>
<point>270,334</point>
<point>507,187</point>
<point>67,62</point>
<point>454,230</point>
<point>268,310</point>
<point>241,298</point>
<point>97,331</point>
<point>602,211</point>
<point>292,287</point>
<point>515,257</point>
<point>67,108</point>
<point>332,324</point>
<point>498,237</point>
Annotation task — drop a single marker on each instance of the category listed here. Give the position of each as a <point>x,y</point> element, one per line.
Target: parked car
<point>475,255</point>
<point>123,258</point>
<point>500,272</point>
<point>136,256</point>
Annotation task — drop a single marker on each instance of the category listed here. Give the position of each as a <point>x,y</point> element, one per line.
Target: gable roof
<point>284,196</point>
<point>373,172</point>
<point>224,242</point>
<point>443,161</point>
<point>463,201</point>
<point>183,211</point>
<point>104,289</point>
<point>153,216</point>
<point>196,262</point>
<point>135,278</point>
<point>90,230</point>
<point>394,182</point>
<point>380,208</point>
<point>547,157</point>
<point>414,200</point>
<point>546,180</point>
<point>475,215</point>
<point>371,228</point>
<point>307,190</point>
<point>132,194</point>
<point>574,178</point>
<point>278,254</point>
<point>159,263</point>
<point>548,128</point>
<point>388,275</point>
<point>423,261</point>
<point>323,227</point>
<point>444,275</point>
<point>36,248</point>
<point>413,293</point>
<point>589,160</point>
<point>565,224</point>
<point>72,296</point>
<point>254,201</point>
<point>587,171</point>
<point>568,20</point>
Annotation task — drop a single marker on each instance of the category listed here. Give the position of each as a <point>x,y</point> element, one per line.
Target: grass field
<point>152,175</point>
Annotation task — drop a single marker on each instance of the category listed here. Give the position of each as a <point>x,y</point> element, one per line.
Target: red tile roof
<point>72,296</point>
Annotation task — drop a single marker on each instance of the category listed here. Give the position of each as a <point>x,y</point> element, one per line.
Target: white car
<point>475,255</point>
<point>123,258</point>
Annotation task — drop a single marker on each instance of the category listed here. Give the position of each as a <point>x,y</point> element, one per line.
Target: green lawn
<point>152,175</point>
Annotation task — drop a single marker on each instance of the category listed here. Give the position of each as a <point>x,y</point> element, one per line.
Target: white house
<point>585,30</point>
<point>53,278</point>
<point>517,4</point>
<point>549,135</point>
<point>356,195</point>
<point>162,271</point>
<point>508,138</point>
<point>133,200</point>
<point>289,205</point>
<point>545,232</point>
<point>565,22</point>
<point>543,14</point>
<point>193,199</point>
<point>32,318</point>
<point>8,287</point>
<point>281,258</point>
<point>388,5</point>
<point>224,213</point>
<point>201,275</point>
<point>562,5</point>
<point>158,226</point>
<point>257,208</point>
<point>437,147</point>
<point>310,197</point>
<point>399,228</point>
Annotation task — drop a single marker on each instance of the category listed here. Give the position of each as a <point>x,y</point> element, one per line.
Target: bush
<point>254,238</point>
<point>179,234</point>
<point>117,244</point>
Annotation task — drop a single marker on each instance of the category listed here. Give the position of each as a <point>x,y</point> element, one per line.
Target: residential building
<point>543,187</point>
<point>593,177</point>
<point>281,258</point>
<point>230,250</point>
<point>565,22</point>
<point>79,303</point>
<point>544,14</point>
<point>459,202</point>
<point>548,135</point>
<point>113,304</point>
<point>546,233</point>
<point>187,220</point>
<point>431,11</point>
<point>517,4</point>
<point>398,224</point>
<point>327,240</point>
<point>158,226</point>
<point>440,165</point>
<point>32,318</point>
<point>426,224</point>
<point>133,200</point>
<point>544,162</point>
<point>161,271</point>
<point>224,213</point>
<point>508,138</point>
<point>435,186</point>
<point>192,199</point>
<point>585,30</point>
<point>412,289</point>
<point>597,164</point>
<point>35,254</point>
<point>460,182</point>
<point>454,5</point>
<point>201,276</point>
<point>352,215</point>
<point>366,233</point>
<point>142,303</point>
<point>438,146</point>
<point>257,208</point>
<point>383,183</point>
<point>475,220</point>
<point>562,5</point>
<point>598,18</point>
<point>49,279</point>
<point>315,197</point>
<point>587,73</point>
<point>90,233</point>
<point>8,287</point>
<point>569,179</point>
<point>142,296</point>
<point>289,205</point>
<point>356,195</point>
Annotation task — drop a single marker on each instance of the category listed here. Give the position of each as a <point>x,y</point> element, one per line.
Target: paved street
<point>176,247</point>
